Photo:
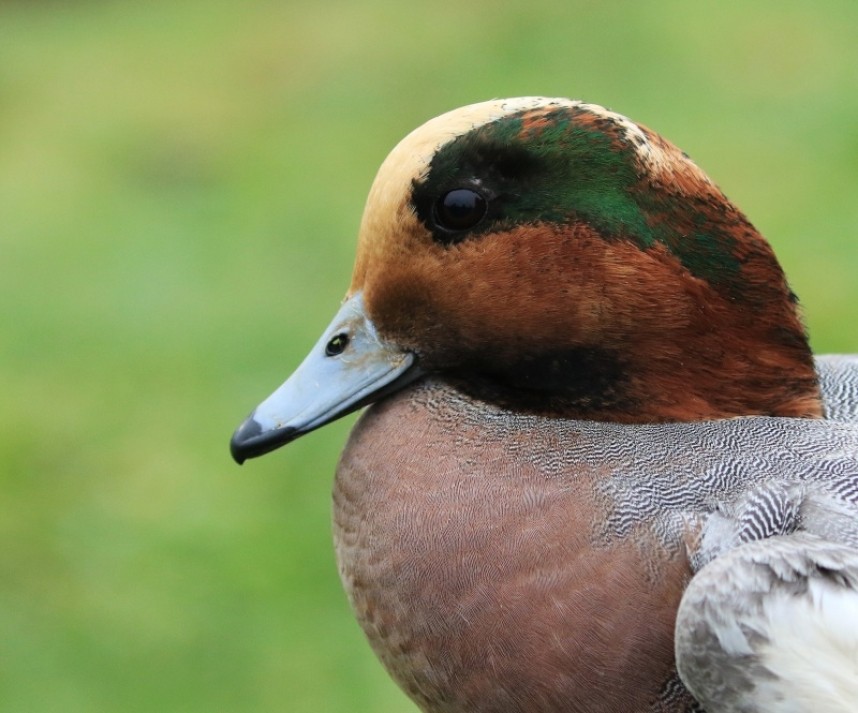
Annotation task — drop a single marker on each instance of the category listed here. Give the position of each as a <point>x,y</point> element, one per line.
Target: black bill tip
<point>250,441</point>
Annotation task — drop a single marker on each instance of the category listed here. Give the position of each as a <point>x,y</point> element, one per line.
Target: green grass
<point>180,188</point>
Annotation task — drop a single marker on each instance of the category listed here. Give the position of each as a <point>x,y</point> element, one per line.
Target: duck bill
<point>350,366</point>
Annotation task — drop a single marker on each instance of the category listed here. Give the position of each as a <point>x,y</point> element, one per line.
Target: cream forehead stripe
<point>411,157</point>
<point>388,198</point>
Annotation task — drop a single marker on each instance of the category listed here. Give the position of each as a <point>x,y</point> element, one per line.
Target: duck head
<point>554,257</point>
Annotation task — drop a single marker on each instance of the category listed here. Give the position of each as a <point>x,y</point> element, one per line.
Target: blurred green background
<point>180,188</point>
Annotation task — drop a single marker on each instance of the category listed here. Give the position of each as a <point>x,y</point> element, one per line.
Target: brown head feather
<point>558,317</point>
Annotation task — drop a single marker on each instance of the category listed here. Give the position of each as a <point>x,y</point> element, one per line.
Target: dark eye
<point>460,209</point>
<point>337,345</point>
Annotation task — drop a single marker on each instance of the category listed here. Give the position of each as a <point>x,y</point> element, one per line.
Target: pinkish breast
<point>472,554</point>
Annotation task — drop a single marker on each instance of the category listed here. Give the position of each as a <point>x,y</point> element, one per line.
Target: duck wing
<point>769,622</point>
<point>772,627</point>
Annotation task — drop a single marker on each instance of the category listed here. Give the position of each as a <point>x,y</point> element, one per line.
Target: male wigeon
<point>604,472</point>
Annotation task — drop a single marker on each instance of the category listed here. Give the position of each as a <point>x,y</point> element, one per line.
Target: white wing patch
<point>812,650</point>
<point>772,627</point>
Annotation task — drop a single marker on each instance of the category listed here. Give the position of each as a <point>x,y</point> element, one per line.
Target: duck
<point>600,469</point>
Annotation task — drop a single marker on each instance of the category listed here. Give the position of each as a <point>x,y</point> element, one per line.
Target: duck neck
<point>709,382</point>
<point>757,366</point>
<point>719,357</point>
